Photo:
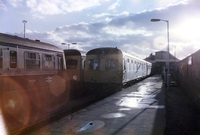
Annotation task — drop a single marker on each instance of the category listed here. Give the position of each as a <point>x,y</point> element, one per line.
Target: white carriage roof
<point>15,40</point>
<point>132,56</point>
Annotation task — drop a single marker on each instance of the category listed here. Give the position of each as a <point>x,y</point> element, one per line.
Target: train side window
<point>13,59</point>
<point>48,62</point>
<point>111,64</point>
<point>94,64</point>
<point>71,64</point>
<point>1,59</point>
<point>32,60</point>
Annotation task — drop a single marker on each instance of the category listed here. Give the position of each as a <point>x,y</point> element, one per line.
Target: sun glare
<point>188,29</point>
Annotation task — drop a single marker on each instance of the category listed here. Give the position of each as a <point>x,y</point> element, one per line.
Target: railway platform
<point>145,108</point>
<point>138,109</point>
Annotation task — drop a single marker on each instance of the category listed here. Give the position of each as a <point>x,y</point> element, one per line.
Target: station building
<point>159,61</point>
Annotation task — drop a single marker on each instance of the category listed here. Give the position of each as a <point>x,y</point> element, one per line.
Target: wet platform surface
<point>138,109</point>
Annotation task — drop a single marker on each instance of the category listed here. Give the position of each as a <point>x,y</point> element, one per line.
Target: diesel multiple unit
<point>37,79</point>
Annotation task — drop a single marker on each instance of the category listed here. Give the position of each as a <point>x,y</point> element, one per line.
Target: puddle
<point>89,126</point>
<point>132,103</point>
<point>136,102</point>
<point>142,89</point>
<point>138,94</point>
<point>149,84</point>
<point>157,106</point>
<point>124,109</point>
<point>148,101</point>
<point>113,115</point>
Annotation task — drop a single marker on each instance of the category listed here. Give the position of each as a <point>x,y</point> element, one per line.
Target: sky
<point>90,24</point>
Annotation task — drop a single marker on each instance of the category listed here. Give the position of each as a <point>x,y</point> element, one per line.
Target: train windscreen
<point>71,64</point>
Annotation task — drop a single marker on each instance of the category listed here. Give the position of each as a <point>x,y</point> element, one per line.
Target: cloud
<point>123,31</point>
<point>52,7</point>
<point>45,7</point>
<point>131,32</point>
<point>125,13</point>
<point>15,3</point>
<point>114,5</point>
<point>2,5</point>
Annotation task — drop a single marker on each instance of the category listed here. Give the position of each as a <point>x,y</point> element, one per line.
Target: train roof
<point>104,51</point>
<point>132,56</point>
<point>18,41</point>
<point>74,52</point>
<point>110,50</point>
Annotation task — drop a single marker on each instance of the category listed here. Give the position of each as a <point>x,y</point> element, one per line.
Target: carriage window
<point>48,62</point>
<point>13,59</point>
<point>111,64</point>
<point>94,64</point>
<point>1,59</point>
<point>32,60</point>
<point>71,64</point>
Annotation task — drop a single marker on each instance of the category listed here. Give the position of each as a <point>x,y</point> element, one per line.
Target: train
<point>33,80</point>
<point>187,74</point>
<point>75,65</point>
<point>111,68</point>
<point>38,80</point>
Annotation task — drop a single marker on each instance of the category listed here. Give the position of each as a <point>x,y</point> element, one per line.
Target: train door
<point>9,60</point>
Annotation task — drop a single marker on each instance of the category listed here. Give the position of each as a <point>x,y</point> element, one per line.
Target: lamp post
<point>24,21</point>
<point>168,56</point>
<point>69,44</point>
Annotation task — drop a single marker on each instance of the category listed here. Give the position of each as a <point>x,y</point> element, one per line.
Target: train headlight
<point>75,77</point>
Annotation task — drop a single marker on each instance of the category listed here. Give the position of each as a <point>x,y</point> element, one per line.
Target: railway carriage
<point>134,68</point>
<point>33,84</point>
<point>110,68</point>
<point>75,64</point>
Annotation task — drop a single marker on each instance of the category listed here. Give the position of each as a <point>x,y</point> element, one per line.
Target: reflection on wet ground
<point>113,115</point>
<point>130,111</point>
<point>144,97</point>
